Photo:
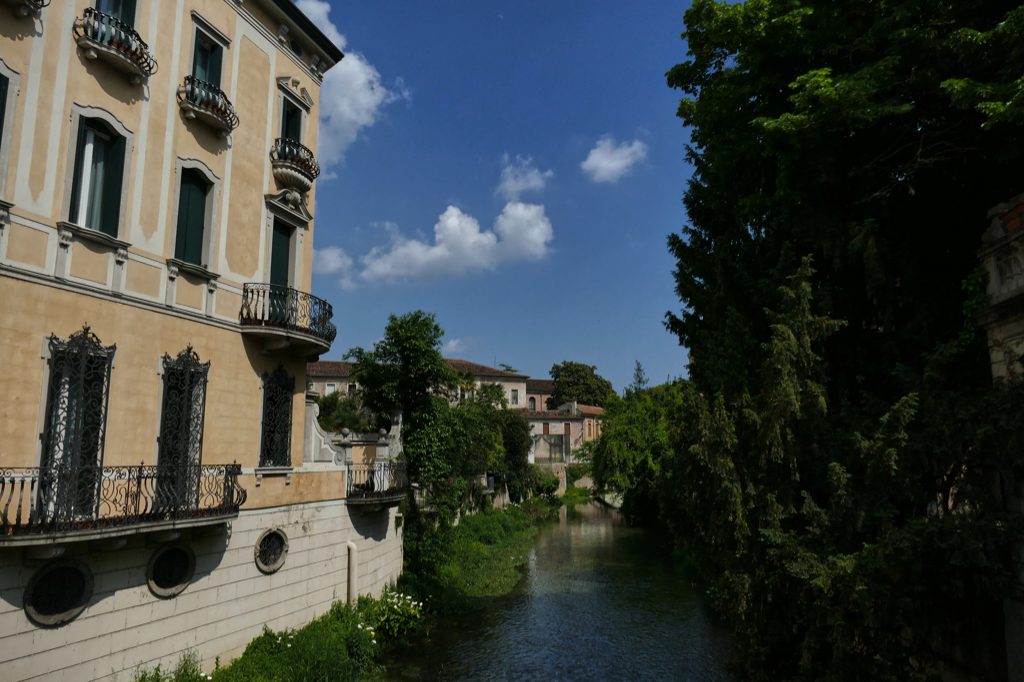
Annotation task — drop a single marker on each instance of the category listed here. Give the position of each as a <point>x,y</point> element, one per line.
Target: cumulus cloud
<point>520,175</point>
<point>607,162</point>
<point>521,232</point>
<point>332,260</point>
<point>353,95</point>
<point>452,347</point>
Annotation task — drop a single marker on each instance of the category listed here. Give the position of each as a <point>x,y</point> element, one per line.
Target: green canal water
<point>598,601</point>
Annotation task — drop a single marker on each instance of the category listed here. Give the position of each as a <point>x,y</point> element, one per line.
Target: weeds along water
<point>346,643</point>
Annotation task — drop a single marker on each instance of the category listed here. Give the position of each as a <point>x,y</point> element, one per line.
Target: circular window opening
<point>271,550</point>
<point>58,592</point>
<point>171,569</point>
<point>296,48</point>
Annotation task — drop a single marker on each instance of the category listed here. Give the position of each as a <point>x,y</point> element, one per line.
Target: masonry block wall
<point>226,605</point>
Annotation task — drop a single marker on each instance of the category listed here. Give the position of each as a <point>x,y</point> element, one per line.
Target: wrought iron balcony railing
<point>377,483</point>
<point>207,102</point>
<point>272,305</point>
<point>294,165</point>
<point>23,8</point>
<point>105,36</point>
<point>59,501</point>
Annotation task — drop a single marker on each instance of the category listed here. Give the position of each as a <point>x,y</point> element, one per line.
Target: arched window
<point>533,404</point>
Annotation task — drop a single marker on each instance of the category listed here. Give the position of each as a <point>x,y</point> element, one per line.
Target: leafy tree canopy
<point>339,412</point>
<point>579,382</point>
<point>832,461</point>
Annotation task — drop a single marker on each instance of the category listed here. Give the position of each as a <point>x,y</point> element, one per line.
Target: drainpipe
<point>353,572</point>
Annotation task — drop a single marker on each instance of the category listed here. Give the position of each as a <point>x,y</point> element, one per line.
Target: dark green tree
<point>579,382</point>
<point>838,479</point>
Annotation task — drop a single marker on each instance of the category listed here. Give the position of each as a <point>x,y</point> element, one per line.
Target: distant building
<point>556,434</point>
<point>328,376</point>
<point>537,393</point>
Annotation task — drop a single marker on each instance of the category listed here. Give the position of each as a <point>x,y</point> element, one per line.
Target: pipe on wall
<point>353,572</point>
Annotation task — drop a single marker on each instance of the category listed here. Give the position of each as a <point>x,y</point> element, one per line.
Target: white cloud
<point>520,176</point>
<point>352,96</point>
<point>332,260</point>
<point>607,162</point>
<point>453,346</point>
<point>524,230</point>
<point>521,232</point>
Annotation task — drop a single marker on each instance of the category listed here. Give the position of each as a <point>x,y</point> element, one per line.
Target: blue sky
<point>513,168</point>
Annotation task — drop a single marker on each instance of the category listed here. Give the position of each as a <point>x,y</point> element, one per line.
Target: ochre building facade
<point>157,493</point>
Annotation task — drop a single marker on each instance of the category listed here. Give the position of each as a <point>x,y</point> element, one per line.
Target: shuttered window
<point>97,182</point>
<point>291,122</point>
<point>191,218</point>
<point>123,10</point>
<point>206,65</point>
<point>3,102</point>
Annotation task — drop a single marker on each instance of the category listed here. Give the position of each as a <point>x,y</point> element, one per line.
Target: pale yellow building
<point>162,485</point>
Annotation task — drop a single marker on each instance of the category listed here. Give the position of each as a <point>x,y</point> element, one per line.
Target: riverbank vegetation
<point>340,646</point>
<point>453,433</point>
<point>837,458</point>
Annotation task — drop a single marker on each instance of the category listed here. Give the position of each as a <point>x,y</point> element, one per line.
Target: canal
<point>598,601</point>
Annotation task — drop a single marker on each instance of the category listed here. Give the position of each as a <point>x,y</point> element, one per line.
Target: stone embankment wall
<point>225,606</point>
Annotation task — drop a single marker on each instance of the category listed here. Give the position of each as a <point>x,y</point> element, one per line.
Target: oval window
<point>58,592</point>
<point>271,550</point>
<point>296,48</point>
<point>170,569</point>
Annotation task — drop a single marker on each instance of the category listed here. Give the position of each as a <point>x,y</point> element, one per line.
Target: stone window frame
<point>201,24</point>
<point>210,231</point>
<point>78,112</point>
<point>514,396</point>
<point>171,592</point>
<point>7,134</point>
<point>277,565</point>
<point>56,620</point>
<point>299,98</point>
<point>299,221</point>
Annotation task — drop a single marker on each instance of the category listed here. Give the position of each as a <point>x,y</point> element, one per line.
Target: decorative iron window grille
<point>271,550</point>
<point>275,447</point>
<point>78,392</point>
<point>181,428</point>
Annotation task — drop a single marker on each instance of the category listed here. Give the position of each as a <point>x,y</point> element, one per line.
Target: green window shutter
<point>113,176</point>
<point>201,61</point>
<point>76,181</point>
<point>292,125</point>
<point>3,102</point>
<point>280,254</point>
<point>123,10</point>
<point>191,218</point>
<point>215,61</point>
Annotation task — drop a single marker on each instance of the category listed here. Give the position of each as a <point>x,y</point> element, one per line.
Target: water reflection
<point>599,601</point>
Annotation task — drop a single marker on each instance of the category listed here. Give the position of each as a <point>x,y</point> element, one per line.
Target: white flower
<point>374,641</point>
<point>289,646</point>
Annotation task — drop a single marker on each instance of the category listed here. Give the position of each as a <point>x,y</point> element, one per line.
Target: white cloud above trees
<point>608,161</point>
<point>460,247</point>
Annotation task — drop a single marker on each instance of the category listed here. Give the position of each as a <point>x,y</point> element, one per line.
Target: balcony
<point>43,505</point>
<point>295,167</point>
<point>207,103</point>
<point>102,36</point>
<point>285,317</point>
<point>23,8</point>
<point>380,483</point>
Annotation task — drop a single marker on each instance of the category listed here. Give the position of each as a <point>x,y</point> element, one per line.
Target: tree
<point>579,382</point>
<point>837,479</point>
<point>508,368</point>
<point>339,412</point>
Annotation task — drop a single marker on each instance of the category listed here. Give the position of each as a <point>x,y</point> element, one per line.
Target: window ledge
<point>193,269</point>
<point>273,471</point>
<point>91,235</point>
